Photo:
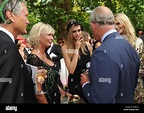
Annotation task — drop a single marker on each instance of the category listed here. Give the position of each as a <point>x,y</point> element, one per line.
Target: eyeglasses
<point>2,12</point>
<point>14,6</point>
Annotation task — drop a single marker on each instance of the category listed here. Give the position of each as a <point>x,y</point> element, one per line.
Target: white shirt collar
<point>7,32</point>
<point>107,33</point>
<point>49,49</point>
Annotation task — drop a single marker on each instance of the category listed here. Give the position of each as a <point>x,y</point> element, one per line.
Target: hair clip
<point>74,22</point>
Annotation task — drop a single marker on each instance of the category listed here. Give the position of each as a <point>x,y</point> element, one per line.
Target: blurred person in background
<point>86,36</point>
<point>141,34</point>
<point>61,41</point>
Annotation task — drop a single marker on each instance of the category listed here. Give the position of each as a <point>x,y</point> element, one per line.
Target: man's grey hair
<point>12,5</point>
<point>102,15</point>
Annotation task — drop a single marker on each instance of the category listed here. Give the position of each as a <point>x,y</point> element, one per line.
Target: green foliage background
<point>58,12</point>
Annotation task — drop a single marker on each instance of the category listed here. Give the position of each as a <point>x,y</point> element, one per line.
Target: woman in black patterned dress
<point>41,37</point>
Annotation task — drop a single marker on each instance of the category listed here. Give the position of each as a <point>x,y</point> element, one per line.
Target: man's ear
<point>93,25</point>
<point>9,17</point>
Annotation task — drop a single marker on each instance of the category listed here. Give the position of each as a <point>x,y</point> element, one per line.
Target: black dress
<point>74,85</point>
<point>53,94</point>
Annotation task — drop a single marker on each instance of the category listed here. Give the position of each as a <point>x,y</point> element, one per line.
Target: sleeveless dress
<point>50,84</point>
<point>74,85</point>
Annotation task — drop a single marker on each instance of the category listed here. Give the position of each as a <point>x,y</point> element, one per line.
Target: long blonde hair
<point>129,29</point>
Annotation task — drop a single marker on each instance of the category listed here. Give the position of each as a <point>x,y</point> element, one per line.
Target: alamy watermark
<point>72,51</point>
<point>10,108</point>
<point>108,80</point>
<point>2,79</point>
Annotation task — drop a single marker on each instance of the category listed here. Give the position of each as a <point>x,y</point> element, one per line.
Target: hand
<point>40,78</point>
<point>85,71</point>
<point>41,75</point>
<point>65,94</point>
<point>41,99</point>
<point>78,43</point>
<point>68,95</point>
<point>84,78</point>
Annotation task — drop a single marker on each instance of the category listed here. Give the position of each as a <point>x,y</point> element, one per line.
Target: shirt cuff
<point>85,84</point>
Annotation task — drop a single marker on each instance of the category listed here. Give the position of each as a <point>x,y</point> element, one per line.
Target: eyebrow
<point>76,30</point>
<point>117,23</point>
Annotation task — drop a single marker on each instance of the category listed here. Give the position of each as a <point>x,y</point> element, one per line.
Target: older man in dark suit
<point>114,64</point>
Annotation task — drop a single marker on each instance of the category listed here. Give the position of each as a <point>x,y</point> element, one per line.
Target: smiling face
<point>119,27</point>
<point>46,39</point>
<point>41,34</point>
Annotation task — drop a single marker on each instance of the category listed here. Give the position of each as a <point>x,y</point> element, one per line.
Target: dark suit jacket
<point>12,67</point>
<point>113,72</point>
<point>56,49</point>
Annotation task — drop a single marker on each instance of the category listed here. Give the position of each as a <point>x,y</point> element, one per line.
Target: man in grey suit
<point>114,64</point>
